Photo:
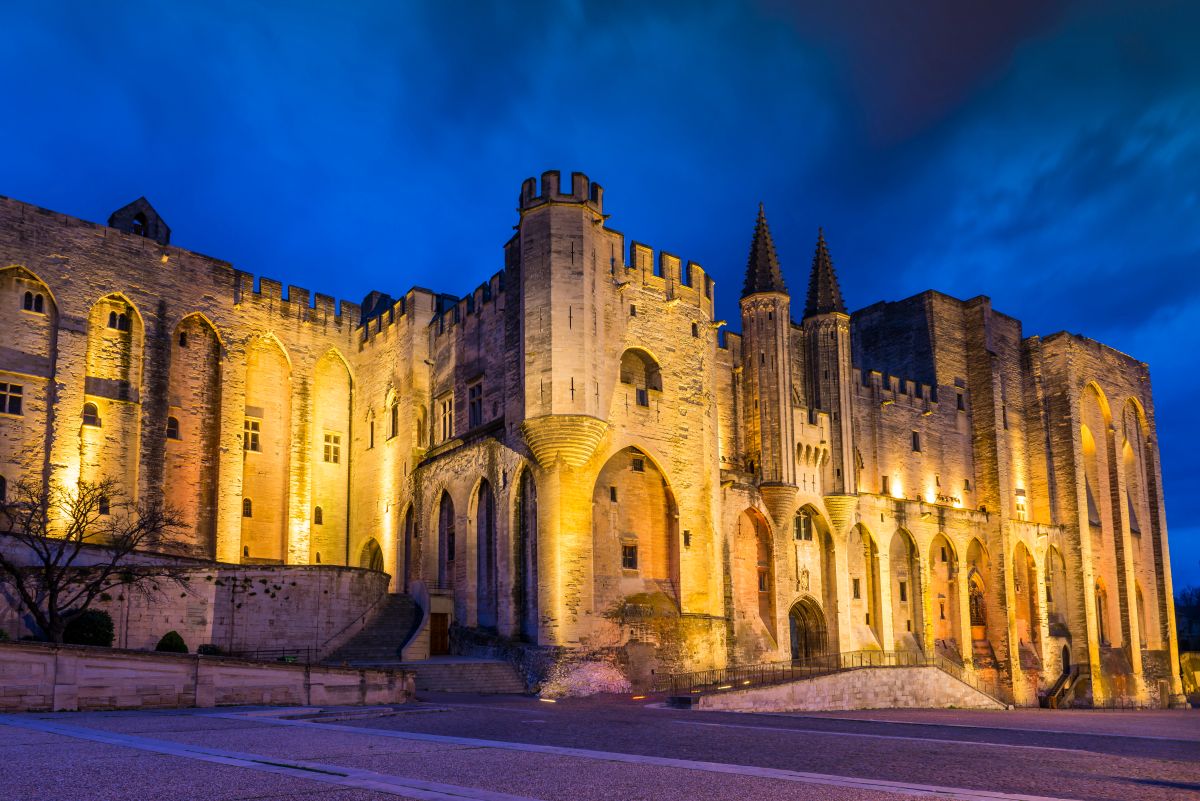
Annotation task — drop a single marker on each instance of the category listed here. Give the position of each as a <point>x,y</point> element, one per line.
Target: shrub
<point>93,627</point>
<point>172,643</point>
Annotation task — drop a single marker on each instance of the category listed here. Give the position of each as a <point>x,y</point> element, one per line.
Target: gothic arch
<point>191,460</point>
<point>754,579</point>
<point>447,540</point>
<point>635,543</point>
<point>944,590</point>
<point>114,375</point>
<point>330,452</point>
<point>371,555</point>
<point>525,554</point>
<point>904,580</point>
<point>486,555</point>
<point>1026,611</point>
<point>862,559</point>
<point>807,629</point>
<point>267,448</point>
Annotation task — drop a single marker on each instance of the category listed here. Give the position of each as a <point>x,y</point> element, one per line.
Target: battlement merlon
<point>582,191</point>
<point>667,272</point>
<point>301,301</point>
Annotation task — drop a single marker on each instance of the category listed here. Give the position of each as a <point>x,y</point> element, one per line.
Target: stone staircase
<point>461,674</point>
<point>383,637</point>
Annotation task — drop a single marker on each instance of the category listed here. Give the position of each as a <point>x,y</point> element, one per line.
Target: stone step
<point>382,638</point>
<point>490,677</point>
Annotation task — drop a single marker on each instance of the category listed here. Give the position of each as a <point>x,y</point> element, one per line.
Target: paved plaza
<point>507,748</point>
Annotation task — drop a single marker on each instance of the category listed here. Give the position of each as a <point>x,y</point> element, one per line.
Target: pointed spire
<point>762,269</point>
<point>824,295</point>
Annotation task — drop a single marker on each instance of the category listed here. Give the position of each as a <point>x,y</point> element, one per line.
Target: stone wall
<point>41,678</point>
<point>241,608</point>
<point>868,688</point>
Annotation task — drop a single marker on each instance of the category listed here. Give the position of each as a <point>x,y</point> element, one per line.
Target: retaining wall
<point>37,678</point>
<point>238,607</point>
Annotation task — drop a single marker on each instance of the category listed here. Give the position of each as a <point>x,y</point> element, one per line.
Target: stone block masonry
<point>45,678</point>
<point>574,455</point>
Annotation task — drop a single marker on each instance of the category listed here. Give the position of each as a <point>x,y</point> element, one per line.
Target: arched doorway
<point>371,556</point>
<point>1066,659</point>
<point>754,570</point>
<point>807,625</point>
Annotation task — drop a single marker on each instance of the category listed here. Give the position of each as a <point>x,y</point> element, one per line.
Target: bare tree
<point>61,548</point>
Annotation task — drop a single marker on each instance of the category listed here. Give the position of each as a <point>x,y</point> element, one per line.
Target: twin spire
<point>763,273</point>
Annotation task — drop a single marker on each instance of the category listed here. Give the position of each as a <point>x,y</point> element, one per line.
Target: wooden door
<point>439,634</point>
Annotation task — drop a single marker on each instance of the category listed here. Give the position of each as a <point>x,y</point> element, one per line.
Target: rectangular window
<point>446,418</point>
<point>643,396</point>
<point>695,330</point>
<point>638,465</point>
<point>903,592</point>
<point>962,404</point>
<point>251,435</point>
<point>857,590</point>
<point>371,434</point>
<point>333,448</point>
<point>629,557</point>
<point>632,310</point>
<point>475,405</point>
<point>612,494</point>
<point>764,581</point>
<point>10,398</point>
<point>885,484</point>
<point>943,553</point>
<point>916,441</point>
<point>803,527</point>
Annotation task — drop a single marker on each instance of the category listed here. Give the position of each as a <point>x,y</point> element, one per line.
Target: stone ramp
<point>862,688</point>
<point>382,638</point>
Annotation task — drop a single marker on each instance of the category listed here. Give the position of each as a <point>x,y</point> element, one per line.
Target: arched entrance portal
<point>807,624</point>
<point>371,556</point>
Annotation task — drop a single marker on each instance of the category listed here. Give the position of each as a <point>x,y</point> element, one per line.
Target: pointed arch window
<point>173,428</point>
<point>118,321</point>
<point>318,516</point>
<point>91,415</point>
<point>247,508</point>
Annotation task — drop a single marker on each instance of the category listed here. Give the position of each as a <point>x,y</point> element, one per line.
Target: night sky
<point>1046,154</point>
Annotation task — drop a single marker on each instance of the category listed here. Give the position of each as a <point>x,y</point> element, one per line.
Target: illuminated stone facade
<point>577,455</point>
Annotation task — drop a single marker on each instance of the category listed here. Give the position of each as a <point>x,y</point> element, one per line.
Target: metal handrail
<point>362,617</point>
<point>744,676</point>
<point>303,656</point>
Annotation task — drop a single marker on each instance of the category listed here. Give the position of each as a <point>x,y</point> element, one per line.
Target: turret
<point>558,241</point>
<point>767,363</point>
<point>827,338</point>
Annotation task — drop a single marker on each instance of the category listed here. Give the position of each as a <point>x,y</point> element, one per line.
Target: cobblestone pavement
<point>512,748</point>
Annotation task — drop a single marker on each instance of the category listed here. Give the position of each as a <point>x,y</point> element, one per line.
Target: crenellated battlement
<point>666,272</point>
<point>886,388</point>
<point>581,190</point>
<point>298,302</point>
<point>452,310</point>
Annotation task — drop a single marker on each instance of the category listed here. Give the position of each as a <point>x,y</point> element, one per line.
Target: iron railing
<point>746,676</point>
<point>302,656</point>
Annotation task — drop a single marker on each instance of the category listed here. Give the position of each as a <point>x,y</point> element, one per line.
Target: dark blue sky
<point>1044,153</point>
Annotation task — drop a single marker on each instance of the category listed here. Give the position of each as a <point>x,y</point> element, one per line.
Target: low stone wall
<point>239,608</point>
<point>865,688</point>
<point>36,678</point>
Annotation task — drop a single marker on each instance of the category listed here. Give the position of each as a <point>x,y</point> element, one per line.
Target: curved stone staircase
<point>381,641</point>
